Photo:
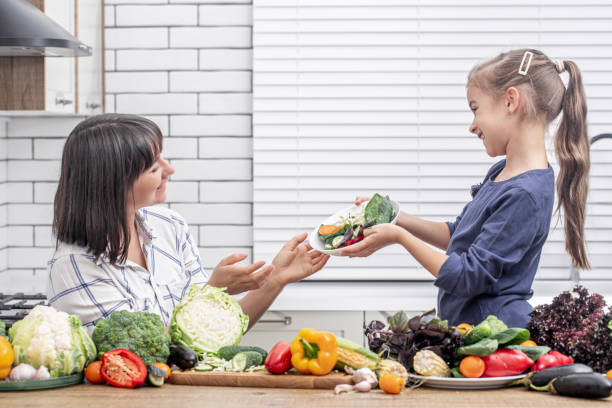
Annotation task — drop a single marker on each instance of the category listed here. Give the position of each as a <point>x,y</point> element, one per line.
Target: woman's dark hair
<point>546,96</point>
<point>102,158</point>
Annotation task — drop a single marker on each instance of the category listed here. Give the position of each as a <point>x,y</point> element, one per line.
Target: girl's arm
<point>432,232</point>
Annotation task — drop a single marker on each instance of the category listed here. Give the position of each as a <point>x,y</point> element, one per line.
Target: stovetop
<point>16,306</point>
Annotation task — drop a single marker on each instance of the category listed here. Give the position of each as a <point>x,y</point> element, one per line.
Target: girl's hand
<point>361,199</point>
<point>375,238</point>
<point>238,278</point>
<point>296,260</point>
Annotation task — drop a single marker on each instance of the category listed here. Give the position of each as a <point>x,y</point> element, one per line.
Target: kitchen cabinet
<point>275,326</point>
<point>59,85</point>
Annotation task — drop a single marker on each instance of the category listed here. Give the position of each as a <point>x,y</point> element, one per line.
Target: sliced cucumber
<point>156,380</point>
<point>203,367</point>
<point>337,241</point>
<point>328,246</point>
<point>246,359</point>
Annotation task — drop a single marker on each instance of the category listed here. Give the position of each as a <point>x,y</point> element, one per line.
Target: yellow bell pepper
<point>314,352</point>
<point>6,357</point>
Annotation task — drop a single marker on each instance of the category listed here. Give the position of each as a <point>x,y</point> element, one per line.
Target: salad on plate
<point>347,228</point>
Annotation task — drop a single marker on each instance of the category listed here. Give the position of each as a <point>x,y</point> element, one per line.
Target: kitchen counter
<point>183,396</point>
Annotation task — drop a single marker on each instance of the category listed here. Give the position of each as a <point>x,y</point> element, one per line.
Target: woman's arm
<point>295,261</point>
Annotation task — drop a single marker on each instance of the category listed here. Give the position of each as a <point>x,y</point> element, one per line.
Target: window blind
<point>353,97</point>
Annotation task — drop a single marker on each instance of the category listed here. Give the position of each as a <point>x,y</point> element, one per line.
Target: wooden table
<point>184,396</point>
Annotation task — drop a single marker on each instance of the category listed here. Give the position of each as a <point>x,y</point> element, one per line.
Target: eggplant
<point>542,378</point>
<point>591,385</point>
<point>347,236</point>
<point>183,357</point>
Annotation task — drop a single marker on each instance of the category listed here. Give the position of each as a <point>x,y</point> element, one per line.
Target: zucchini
<point>246,359</point>
<point>228,352</point>
<point>591,385</point>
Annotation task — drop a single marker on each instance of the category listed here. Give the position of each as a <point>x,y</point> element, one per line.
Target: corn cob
<point>353,355</point>
<point>387,366</point>
<point>429,364</point>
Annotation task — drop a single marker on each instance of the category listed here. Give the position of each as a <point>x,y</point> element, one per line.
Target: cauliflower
<point>140,332</point>
<point>56,340</point>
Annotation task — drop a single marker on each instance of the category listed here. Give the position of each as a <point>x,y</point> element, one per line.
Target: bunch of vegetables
<point>577,326</point>
<point>350,230</point>
<point>405,337</point>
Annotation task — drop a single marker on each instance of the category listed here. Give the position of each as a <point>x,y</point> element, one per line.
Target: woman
<point>116,252</point>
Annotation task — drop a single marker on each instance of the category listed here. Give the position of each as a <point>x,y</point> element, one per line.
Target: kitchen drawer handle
<point>286,321</point>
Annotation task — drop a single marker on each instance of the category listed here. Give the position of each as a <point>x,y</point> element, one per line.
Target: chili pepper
<point>552,359</point>
<point>122,368</point>
<point>279,358</point>
<point>505,362</point>
<point>314,352</point>
<point>352,241</point>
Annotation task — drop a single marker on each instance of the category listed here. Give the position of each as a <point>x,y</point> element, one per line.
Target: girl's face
<point>491,121</point>
<point>150,187</point>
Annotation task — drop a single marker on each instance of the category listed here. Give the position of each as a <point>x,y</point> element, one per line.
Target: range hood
<point>25,31</point>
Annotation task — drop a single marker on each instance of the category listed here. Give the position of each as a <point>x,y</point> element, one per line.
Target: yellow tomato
<point>609,375</point>
<point>6,357</point>
<point>529,343</point>
<point>464,328</point>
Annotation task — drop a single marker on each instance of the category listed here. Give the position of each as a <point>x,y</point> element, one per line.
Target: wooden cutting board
<point>260,379</point>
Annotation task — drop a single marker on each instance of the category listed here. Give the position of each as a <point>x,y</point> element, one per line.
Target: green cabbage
<point>56,340</point>
<point>207,319</point>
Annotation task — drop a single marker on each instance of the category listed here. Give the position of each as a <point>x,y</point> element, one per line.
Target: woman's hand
<point>296,260</point>
<point>239,278</point>
<point>375,238</point>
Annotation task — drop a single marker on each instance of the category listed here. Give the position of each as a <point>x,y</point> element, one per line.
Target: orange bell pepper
<point>314,352</point>
<point>6,357</point>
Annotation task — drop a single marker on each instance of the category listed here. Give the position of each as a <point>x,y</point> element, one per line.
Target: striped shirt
<point>93,290</point>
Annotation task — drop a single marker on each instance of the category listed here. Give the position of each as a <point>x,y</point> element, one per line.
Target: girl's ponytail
<point>572,150</point>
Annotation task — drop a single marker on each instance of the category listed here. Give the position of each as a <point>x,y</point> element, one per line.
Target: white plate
<point>318,244</point>
<point>482,383</point>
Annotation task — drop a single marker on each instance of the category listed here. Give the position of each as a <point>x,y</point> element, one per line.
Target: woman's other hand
<point>375,238</point>
<point>296,260</point>
<point>361,199</point>
<point>239,278</point>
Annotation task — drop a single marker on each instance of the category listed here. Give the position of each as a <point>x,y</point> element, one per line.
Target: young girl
<point>494,246</point>
<point>116,252</point>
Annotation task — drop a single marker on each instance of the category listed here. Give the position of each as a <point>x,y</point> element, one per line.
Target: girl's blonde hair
<point>544,96</point>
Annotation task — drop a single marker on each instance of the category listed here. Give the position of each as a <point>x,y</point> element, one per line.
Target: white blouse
<point>79,285</point>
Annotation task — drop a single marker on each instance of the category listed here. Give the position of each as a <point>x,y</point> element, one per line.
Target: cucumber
<point>201,366</point>
<point>228,352</point>
<point>246,359</point>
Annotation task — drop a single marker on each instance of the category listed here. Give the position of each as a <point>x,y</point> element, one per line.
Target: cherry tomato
<point>93,374</point>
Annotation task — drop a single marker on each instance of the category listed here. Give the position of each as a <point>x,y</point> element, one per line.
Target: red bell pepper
<point>279,358</point>
<point>552,359</point>
<point>122,368</point>
<point>505,362</point>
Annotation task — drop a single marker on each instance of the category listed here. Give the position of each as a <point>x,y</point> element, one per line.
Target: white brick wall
<point>186,65</point>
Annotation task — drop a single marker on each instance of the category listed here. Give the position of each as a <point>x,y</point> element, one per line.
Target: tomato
<point>529,343</point>
<point>391,383</point>
<point>122,368</point>
<point>165,368</point>
<point>609,375</point>
<point>472,367</point>
<point>93,374</point>
<point>279,358</point>
<point>7,356</point>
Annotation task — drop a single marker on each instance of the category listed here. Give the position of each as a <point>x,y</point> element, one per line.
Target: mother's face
<point>150,187</point>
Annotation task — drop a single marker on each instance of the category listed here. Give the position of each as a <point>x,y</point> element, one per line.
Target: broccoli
<point>140,332</point>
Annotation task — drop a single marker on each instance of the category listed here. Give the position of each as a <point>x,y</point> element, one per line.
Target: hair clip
<point>559,66</point>
<point>524,71</point>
